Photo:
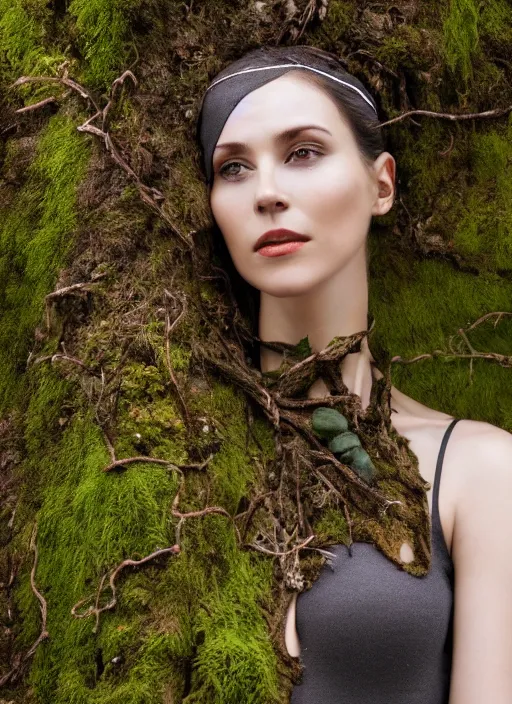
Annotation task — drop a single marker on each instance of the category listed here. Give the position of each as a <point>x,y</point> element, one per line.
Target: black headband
<point>226,91</point>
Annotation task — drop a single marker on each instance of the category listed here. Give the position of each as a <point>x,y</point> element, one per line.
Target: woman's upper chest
<point>425,436</point>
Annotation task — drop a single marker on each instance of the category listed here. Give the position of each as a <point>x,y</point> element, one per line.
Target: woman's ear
<point>384,168</point>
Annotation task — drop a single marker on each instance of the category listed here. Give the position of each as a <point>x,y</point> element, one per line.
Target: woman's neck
<point>338,307</point>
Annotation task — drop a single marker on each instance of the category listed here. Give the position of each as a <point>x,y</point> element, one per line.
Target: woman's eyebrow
<point>281,137</point>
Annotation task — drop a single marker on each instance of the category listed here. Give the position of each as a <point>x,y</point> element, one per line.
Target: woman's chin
<point>283,288</point>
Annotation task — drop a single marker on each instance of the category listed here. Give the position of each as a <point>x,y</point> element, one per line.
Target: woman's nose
<point>269,197</point>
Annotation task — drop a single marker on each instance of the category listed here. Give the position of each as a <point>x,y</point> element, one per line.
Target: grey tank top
<point>371,633</point>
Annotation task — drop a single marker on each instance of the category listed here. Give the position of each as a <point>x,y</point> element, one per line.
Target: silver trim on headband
<point>309,68</point>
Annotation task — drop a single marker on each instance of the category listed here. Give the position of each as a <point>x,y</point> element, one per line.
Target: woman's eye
<point>226,170</point>
<point>305,149</point>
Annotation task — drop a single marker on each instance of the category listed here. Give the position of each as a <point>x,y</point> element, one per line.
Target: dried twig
<point>42,602</point>
<point>498,314</point>
<point>290,403</point>
<point>169,327</point>
<point>110,446</point>
<point>498,112</point>
<point>36,106</point>
<point>152,460</point>
<point>130,460</point>
<point>21,660</point>
<point>64,80</point>
<point>196,514</point>
<point>296,548</point>
<point>66,358</point>
<point>96,609</point>
<point>150,196</point>
<point>501,359</point>
<point>251,509</point>
<point>83,286</point>
<point>66,291</point>
<point>449,148</point>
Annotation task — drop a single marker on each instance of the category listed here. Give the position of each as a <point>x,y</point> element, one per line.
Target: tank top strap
<point>437,529</point>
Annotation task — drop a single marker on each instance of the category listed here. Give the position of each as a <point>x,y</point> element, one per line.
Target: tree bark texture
<point>129,462</point>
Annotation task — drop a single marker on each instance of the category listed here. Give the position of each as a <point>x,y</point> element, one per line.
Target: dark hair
<point>361,118</point>
<point>363,122</point>
<point>354,102</point>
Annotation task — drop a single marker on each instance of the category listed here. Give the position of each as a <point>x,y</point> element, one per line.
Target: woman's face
<point>313,182</point>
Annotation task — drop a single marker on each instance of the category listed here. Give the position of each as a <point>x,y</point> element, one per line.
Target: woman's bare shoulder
<point>481,449</point>
<point>474,449</point>
<point>482,542</point>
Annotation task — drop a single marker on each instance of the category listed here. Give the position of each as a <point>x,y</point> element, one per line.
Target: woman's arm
<point>482,556</point>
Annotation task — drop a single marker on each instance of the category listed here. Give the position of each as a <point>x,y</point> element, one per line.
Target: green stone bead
<point>328,422</point>
<point>359,460</point>
<point>344,442</point>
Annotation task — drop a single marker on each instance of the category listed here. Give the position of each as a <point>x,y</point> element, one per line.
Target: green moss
<point>461,37</point>
<point>417,308</point>
<point>235,661</point>
<point>394,53</point>
<point>150,421</point>
<point>495,23</point>
<point>89,522</point>
<point>265,437</point>
<point>103,30</point>
<point>34,241</point>
<point>180,358</point>
<point>484,230</point>
<point>223,413</point>
<point>332,526</point>
<point>424,174</point>
<point>23,33</point>
<point>340,15</point>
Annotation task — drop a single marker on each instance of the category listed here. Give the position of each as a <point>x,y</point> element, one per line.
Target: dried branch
<point>296,548</point>
<point>196,514</point>
<point>109,444</point>
<point>96,609</point>
<point>449,148</point>
<point>130,460</point>
<point>83,286</point>
<point>62,292</point>
<point>42,602</point>
<point>498,314</point>
<point>152,460</point>
<point>66,358</point>
<point>292,404</point>
<point>501,359</point>
<point>169,327</point>
<point>202,512</point>
<point>21,660</point>
<point>36,106</point>
<point>149,195</point>
<point>498,112</point>
<point>63,80</point>
<point>255,502</point>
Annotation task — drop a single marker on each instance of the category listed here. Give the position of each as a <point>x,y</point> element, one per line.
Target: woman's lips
<point>280,248</point>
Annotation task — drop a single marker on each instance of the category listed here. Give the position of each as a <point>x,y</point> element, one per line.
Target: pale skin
<point>318,184</point>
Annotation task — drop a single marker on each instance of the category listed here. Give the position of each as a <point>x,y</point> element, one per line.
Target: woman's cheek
<point>343,198</point>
